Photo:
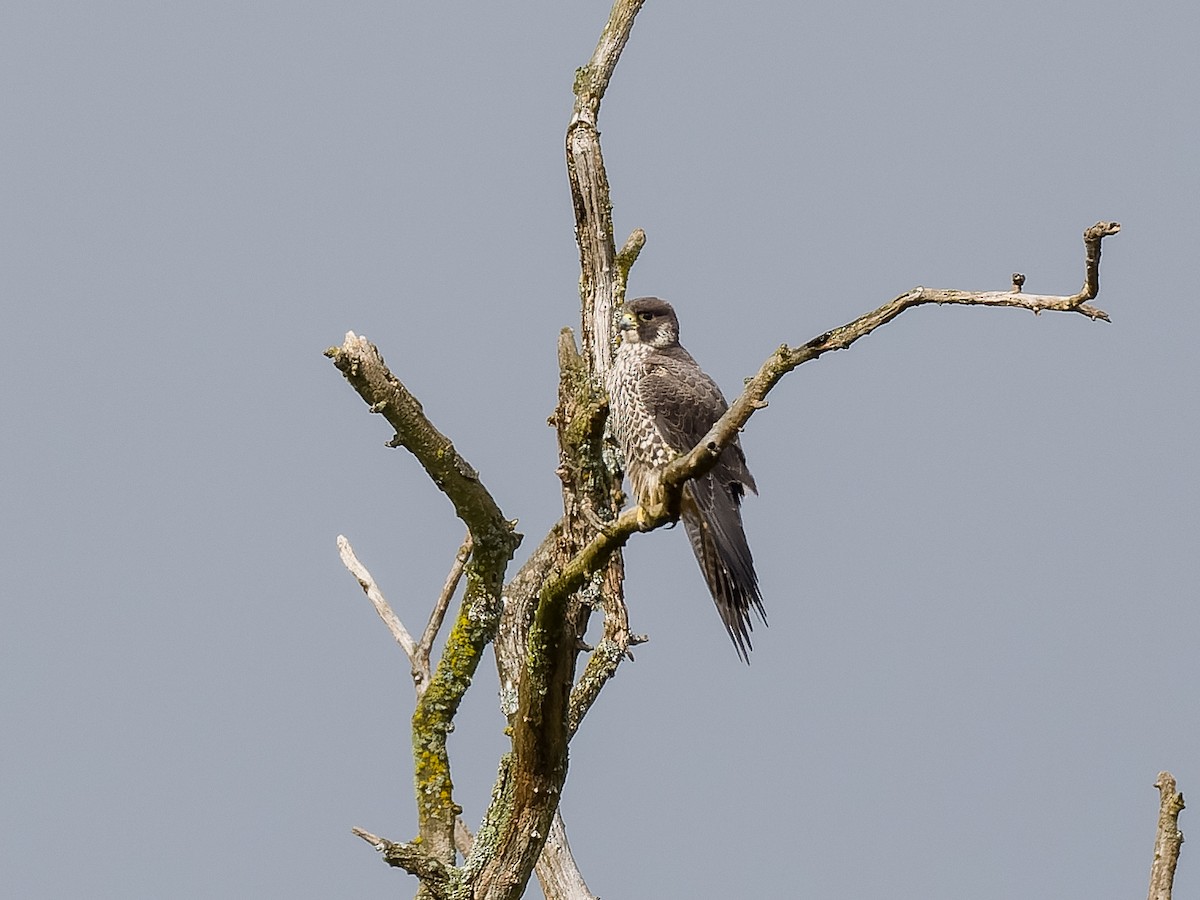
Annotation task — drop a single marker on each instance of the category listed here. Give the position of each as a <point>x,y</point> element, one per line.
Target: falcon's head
<point>650,321</point>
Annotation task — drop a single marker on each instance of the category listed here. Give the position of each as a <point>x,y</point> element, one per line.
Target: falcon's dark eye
<point>645,316</point>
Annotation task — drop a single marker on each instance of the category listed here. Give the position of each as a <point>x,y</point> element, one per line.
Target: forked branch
<point>418,652</point>
<point>494,538</point>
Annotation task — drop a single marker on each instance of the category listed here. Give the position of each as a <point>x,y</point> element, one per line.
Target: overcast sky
<point>977,531</point>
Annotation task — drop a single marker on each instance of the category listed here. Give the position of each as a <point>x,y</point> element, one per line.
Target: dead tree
<point>536,619</point>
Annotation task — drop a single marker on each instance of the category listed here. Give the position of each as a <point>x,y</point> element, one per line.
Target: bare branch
<point>390,619</point>
<point>494,538</point>
<point>434,874</point>
<point>610,652</point>
<point>418,652</point>
<point>1168,840</point>
<point>1037,303</point>
<point>1091,273</point>
<point>592,81</point>
<point>438,614</point>
<point>601,279</point>
<point>785,359</point>
<point>463,839</point>
<point>598,551</point>
<point>629,254</point>
<point>359,360</point>
<point>557,872</point>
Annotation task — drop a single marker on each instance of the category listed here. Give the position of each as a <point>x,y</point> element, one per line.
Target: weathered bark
<point>494,542</point>
<point>1168,840</point>
<point>547,710</point>
<point>602,273</point>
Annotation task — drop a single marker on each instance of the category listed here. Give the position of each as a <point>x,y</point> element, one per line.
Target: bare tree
<point>536,620</point>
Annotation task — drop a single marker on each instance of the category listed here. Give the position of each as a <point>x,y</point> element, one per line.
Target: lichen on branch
<point>494,539</point>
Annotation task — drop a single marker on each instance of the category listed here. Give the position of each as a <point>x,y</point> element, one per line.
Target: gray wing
<point>685,403</point>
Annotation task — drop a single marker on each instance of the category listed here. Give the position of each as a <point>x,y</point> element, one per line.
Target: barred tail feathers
<point>713,521</point>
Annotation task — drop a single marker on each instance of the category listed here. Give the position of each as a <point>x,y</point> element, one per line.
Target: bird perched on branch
<point>660,406</point>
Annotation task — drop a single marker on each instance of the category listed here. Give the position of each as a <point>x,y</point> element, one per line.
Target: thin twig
<point>390,619</point>
<point>438,615</point>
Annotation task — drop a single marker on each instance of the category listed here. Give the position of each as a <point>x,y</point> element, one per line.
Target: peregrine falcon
<point>660,405</point>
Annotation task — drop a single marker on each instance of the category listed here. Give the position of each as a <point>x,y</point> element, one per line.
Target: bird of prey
<point>660,405</point>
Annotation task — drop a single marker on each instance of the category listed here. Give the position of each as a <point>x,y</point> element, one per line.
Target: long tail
<point>713,521</point>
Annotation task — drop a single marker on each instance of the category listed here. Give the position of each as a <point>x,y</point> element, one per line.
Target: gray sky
<point>977,530</point>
